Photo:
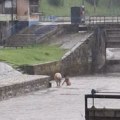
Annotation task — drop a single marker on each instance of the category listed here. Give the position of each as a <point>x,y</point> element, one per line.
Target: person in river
<point>67,80</point>
<point>58,78</point>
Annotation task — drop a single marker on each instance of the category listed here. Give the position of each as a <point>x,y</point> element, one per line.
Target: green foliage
<point>109,2</point>
<point>56,2</point>
<point>64,10</point>
<point>103,8</point>
<point>92,2</point>
<point>31,55</point>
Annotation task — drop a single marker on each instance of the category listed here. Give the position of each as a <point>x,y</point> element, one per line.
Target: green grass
<point>59,11</point>
<point>31,55</point>
<point>101,9</point>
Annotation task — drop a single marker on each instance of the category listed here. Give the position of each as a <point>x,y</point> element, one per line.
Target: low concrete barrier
<point>49,68</point>
<point>20,85</point>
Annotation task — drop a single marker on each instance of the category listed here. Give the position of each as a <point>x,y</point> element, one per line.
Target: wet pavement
<point>63,103</point>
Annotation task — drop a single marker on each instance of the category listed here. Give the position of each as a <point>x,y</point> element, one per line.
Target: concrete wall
<point>79,59</point>
<point>70,28</point>
<point>23,84</point>
<point>43,69</point>
<point>99,49</point>
<point>76,61</point>
<point>85,58</point>
<point>104,114</point>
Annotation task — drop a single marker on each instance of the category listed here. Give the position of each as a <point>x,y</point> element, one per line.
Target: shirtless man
<point>68,83</point>
<point>58,78</point>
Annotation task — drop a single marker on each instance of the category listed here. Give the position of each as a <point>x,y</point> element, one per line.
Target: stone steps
<point>26,37</point>
<point>113,38</point>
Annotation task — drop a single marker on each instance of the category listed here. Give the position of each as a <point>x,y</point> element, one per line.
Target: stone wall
<point>88,56</point>
<point>79,59</point>
<point>49,68</point>
<point>72,28</point>
<point>99,50</point>
<point>76,61</point>
<point>21,85</point>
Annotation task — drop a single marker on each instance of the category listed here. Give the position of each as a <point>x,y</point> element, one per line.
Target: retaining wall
<point>20,85</point>
<point>77,61</point>
<point>49,68</point>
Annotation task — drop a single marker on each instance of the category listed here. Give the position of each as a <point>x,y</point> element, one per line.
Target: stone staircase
<point>113,38</point>
<point>31,35</point>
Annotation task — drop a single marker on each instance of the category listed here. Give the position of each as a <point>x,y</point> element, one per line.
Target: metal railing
<point>101,95</point>
<point>54,19</point>
<point>102,19</point>
<point>87,19</point>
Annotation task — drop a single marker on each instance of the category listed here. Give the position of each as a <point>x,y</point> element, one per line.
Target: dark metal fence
<point>102,95</point>
<point>87,19</point>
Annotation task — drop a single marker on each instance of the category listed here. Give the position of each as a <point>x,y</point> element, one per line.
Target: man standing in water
<point>67,81</point>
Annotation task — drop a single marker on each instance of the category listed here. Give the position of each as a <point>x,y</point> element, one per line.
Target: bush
<point>56,2</point>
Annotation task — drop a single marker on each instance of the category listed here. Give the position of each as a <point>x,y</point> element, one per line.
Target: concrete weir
<point>22,84</point>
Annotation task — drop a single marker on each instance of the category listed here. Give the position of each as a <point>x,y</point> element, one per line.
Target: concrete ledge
<point>19,85</point>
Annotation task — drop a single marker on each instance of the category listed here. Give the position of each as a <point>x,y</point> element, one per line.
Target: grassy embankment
<point>101,9</point>
<point>31,55</point>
